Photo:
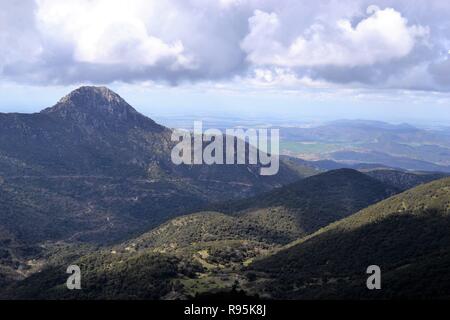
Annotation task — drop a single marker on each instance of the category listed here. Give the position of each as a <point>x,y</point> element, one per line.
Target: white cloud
<point>109,32</point>
<point>230,3</point>
<point>371,43</point>
<point>381,37</point>
<point>282,78</point>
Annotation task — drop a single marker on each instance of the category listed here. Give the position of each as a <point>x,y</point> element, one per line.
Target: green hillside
<point>407,236</point>
<point>106,275</point>
<point>314,202</point>
<point>404,180</point>
<point>219,244</point>
<point>275,218</point>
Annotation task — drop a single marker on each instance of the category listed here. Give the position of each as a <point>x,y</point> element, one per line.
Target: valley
<point>213,252</point>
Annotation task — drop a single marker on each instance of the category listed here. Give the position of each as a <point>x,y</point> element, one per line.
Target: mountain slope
<point>93,131</point>
<point>406,235</point>
<point>92,154</point>
<point>222,243</point>
<point>203,227</point>
<point>274,218</point>
<point>316,201</point>
<point>404,180</point>
<point>93,169</point>
<point>109,276</point>
<point>90,131</point>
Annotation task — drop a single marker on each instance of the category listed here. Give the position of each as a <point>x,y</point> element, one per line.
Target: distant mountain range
<point>373,142</point>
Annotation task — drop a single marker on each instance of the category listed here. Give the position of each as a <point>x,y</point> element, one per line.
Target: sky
<point>293,59</point>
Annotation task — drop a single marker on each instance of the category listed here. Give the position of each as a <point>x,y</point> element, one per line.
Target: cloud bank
<point>379,44</point>
<point>381,37</point>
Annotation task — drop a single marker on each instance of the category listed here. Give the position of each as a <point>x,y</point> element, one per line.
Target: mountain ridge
<point>100,106</point>
<point>405,232</point>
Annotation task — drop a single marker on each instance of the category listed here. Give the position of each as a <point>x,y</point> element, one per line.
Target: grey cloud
<point>19,40</point>
<point>397,74</point>
<point>441,72</point>
<point>211,35</point>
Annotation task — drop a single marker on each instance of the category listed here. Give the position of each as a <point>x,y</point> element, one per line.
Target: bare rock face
<point>100,108</point>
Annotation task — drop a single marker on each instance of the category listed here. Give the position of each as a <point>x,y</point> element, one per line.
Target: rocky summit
<point>100,108</point>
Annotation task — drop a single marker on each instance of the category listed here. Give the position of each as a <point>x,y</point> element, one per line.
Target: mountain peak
<point>90,98</point>
<point>89,92</point>
<point>99,107</point>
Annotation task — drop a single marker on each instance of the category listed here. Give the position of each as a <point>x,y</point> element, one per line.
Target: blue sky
<point>327,59</point>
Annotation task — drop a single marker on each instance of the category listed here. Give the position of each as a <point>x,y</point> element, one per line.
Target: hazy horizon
<point>378,60</point>
<point>168,107</point>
